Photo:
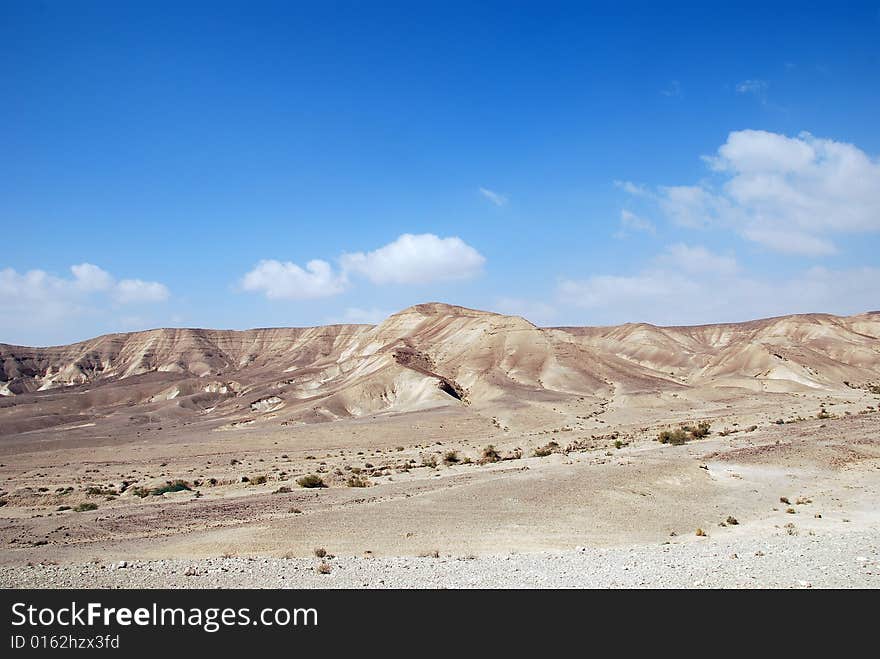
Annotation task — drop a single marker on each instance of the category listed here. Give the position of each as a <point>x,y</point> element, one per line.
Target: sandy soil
<point>629,499</point>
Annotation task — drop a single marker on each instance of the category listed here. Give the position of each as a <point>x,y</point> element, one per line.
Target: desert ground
<point>446,447</point>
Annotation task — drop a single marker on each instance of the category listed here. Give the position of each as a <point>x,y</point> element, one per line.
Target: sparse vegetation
<point>357,481</point>
<point>170,486</point>
<point>699,431</point>
<point>451,458</point>
<point>547,449</point>
<point>324,568</point>
<point>258,480</point>
<point>784,500</point>
<point>100,491</point>
<point>310,481</point>
<point>85,506</point>
<point>430,554</point>
<point>320,552</point>
<point>731,520</point>
<point>515,454</point>
<point>683,434</point>
<point>490,454</point>
<point>675,437</point>
<point>429,461</point>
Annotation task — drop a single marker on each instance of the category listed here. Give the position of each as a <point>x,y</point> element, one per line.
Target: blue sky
<point>181,164</point>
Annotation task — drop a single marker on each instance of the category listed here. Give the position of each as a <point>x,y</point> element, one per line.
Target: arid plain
<point>440,439</point>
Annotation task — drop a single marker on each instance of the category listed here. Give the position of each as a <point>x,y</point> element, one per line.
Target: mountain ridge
<point>426,356</point>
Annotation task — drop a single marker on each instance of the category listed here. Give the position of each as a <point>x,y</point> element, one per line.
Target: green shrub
<point>310,481</point>
<point>170,486</point>
<point>675,437</point>
<point>681,435</point>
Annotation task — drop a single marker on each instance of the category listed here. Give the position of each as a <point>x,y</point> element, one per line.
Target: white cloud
<point>416,259</point>
<point>752,87</point>
<point>494,197</point>
<point>90,277</point>
<point>790,241</point>
<point>787,194</point>
<point>633,188</point>
<point>686,285</point>
<point>410,259</point>
<point>38,285</point>
<point>35,302</point>
<point>136,290</point>
<point>287,280</point>
<point>631,222</point>
<point>697,260</point>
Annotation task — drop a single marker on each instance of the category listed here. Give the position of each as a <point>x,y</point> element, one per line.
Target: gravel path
<point>836,560</point>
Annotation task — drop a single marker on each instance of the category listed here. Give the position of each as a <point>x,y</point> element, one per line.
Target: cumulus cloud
<point>691,284</point>
<point>789,194</point>
<point>410,259</point>
<point>416,259</point>
<point>286,280</point>
<point>90,277</point>
<point>128,291</point>
<point>35,301</point>
<point>494,197</point>
<point>38,285</point>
